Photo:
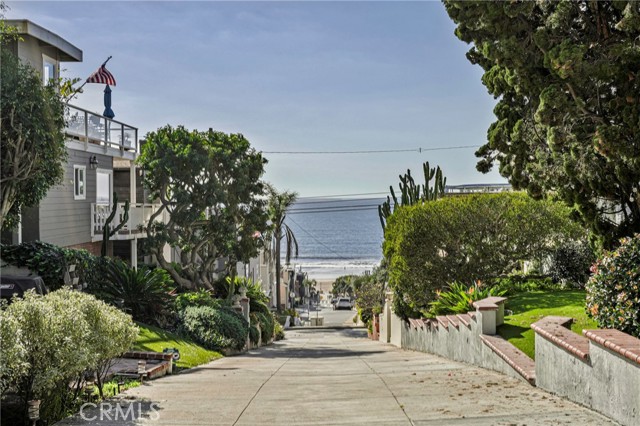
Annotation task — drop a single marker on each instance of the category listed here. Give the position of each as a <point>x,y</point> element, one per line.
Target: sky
<point>290,76</point>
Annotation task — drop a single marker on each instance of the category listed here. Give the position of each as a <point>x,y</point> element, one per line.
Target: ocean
<point>336,236</point>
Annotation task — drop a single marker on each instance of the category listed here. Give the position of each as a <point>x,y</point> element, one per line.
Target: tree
<point>32,138</point>
<point>567,76</point>
<point>211,195</point>
<point>277,206</point>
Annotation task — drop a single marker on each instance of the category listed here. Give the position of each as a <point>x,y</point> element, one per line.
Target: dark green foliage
<point>370,294</point>
<point>31,137</point>
<point>570,264</point>
<point>566,76</point>
<point>215,328</point>
<point>195,298</point>
<point>468,238</point>
<point>254,334</point>
<point>613,291</point>
<point>51,262</point>
<point>143,293</point>
<point>517,283</point>
<point>458,298</point>
<point>411,194</point>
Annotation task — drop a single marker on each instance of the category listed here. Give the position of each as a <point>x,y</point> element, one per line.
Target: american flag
<point>102,76</point>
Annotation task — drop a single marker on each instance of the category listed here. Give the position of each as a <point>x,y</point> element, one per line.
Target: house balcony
<point>88,131</point>
<point>135,226</point>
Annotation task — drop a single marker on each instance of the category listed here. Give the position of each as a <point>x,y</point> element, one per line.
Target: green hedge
<point>215,328</point>
<point>613,291</point>
<point>468,238</point>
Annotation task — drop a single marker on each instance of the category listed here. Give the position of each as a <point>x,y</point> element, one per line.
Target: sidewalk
<point>338,377</point>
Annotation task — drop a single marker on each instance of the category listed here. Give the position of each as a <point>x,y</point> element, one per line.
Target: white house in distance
<point>101,161</point>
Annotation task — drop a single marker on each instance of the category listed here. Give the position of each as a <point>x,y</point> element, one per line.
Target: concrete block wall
<point>600,371</point>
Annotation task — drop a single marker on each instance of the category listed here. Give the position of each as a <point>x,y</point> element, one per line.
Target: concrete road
<point>338,377</point>
<point>332,318</point>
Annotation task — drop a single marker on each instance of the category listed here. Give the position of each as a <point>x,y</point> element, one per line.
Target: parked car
<point>343,303</point>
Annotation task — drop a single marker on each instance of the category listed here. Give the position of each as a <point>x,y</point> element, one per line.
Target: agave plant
<point>459,298</point>
<point>144,292</point>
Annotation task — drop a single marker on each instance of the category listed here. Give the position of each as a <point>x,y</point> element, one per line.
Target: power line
<point>336,211</point>
<point>342,195</point>
<point>381,151</point>
<point>351,200</point>
<point>337,208</point>
<point>316,240</point>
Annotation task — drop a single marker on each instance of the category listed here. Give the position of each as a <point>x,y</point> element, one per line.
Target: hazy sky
<point>290,76</point>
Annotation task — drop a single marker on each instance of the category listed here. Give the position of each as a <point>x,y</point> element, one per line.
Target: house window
<point>103,186</point>
<point>79,182</point>
<point>48,69</point>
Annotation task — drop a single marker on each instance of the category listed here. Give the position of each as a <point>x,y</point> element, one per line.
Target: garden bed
<point>530,307</point>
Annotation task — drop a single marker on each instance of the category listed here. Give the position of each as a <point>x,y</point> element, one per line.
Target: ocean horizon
<point>336,236</point>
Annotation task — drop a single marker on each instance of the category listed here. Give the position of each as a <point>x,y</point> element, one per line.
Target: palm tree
<point>277,207</point>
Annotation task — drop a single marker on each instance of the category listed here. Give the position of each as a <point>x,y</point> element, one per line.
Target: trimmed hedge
<point>613,291</point>
<point>468,238</point>
<point>215,328</point>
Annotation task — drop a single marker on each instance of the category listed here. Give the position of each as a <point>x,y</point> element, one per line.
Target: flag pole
<point>85,81</point>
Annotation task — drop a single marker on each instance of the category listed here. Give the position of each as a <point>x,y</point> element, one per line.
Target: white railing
<point>97,129</point>
<point>139,215</point>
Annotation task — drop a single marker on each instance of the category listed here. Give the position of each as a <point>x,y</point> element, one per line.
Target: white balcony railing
<point>96,129</point>
<point>139,215</point>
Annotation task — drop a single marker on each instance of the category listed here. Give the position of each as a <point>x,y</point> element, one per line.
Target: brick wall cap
<point>494,299</point>
<point>484,305</point>
<point>556,333</point>
<point>616,341</point>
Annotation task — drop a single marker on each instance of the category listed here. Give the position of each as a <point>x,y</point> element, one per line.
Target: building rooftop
<point>68,52</point>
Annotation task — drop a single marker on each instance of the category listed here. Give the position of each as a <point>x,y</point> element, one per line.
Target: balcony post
<point>134,253</point>
<point>132,184</point>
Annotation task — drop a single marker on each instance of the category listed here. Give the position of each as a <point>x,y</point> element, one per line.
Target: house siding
<point>64,221</point>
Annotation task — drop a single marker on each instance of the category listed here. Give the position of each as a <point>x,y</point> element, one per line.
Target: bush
<point>51,262</point>
<point>279,332</point>
<point>143,293</point>
<point>613,291</point>
<point>59,337</point>
<point>522,284</point>
<point>458,299</point>
<point>215,328</point>
<point>195,298</point>
<point>254,334</point>
<point>267,324</point>
<point>468,238</point>
<point>570,264</point>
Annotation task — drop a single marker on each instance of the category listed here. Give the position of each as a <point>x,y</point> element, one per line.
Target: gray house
<point>101,161</point>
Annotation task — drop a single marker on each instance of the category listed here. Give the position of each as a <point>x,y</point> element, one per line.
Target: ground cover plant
<point>532,306</point>
<point>155,339</point>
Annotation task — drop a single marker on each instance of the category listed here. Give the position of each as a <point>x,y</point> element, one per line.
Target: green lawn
<point>532,306</point>
<point>155,339</point>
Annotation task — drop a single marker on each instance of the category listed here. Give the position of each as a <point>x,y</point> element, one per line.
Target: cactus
<point>411,194</point>
<point>107,232</point>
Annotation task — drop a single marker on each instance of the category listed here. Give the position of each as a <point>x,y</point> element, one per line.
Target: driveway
<point>338,377</point>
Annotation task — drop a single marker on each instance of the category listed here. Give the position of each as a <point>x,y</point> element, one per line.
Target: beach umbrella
<point>103,76</point>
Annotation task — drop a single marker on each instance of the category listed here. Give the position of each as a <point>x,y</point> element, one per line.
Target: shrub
<point>369,298</point>
<point>142,292</point>
<point>215,328</point>
<point>195,298</point>
<point>468,238</point>
<point>570,264</point>
<point>254,334</point>
<point>522,283</point>
<point>613,291</point>
<point>279,332</point>
<point>267,324</point>
<point>458,298</point>
<point>60,336</point>
<point>51,262</point>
